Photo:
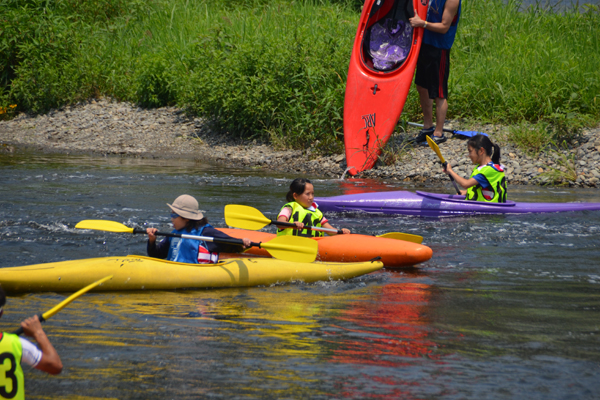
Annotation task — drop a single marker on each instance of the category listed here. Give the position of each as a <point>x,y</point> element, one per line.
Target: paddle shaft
<point>310,228</point>
<point>43,317</point>
<point>444,164</point>
<point>204,238</point>
<point>437,151</point>
<point>453,131</point>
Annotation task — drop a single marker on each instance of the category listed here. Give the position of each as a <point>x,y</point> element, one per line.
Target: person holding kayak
<point>302,211</point>
<point>187,219</point>
<point>15,350</point>
<point>487,182</point>
<point>433,64</point>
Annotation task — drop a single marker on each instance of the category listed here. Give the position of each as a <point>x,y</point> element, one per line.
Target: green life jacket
<point>304,215</point>
<point>12,381</point>
<point>496,193</point>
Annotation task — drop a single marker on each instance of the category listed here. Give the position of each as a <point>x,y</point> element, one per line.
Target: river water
<point>508,307</point>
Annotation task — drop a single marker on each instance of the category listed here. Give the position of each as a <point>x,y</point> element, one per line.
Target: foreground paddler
<point>15,350</point>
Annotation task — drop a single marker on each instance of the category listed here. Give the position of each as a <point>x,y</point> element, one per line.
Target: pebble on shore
<point>102,126</point>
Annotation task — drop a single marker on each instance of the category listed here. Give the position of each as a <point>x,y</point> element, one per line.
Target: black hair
<point>192,224</point>
<point>2,297</point>
<point>297,186</point>
<point>481,141</point>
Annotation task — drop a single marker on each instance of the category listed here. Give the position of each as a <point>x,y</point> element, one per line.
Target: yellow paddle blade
<point>75,295</point>
<point>435,148</point>
<point>245,217</point>
<point>101,225</point>
<point>292,248</point>
<point>403,236</point>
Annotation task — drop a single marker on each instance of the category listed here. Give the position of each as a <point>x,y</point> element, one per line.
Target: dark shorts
<point>433,69</point>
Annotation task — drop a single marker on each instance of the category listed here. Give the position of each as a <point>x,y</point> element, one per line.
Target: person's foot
<point>436,139</point>
<point>422,136</point>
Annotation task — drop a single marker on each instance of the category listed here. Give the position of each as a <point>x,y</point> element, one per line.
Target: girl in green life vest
<point>487,181</point>
<point>303,212</point>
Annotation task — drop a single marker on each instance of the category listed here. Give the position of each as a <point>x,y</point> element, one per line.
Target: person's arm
<point>284,216</point>
<point>450,10</point>
<point>50,361</point>
<point>158,249</point>
<point>465,183</point>
<point>328,226</point>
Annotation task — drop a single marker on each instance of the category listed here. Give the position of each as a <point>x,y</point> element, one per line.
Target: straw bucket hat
<point>187,207</point>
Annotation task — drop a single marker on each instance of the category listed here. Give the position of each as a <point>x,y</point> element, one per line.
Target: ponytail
<point>297,186</point>
<point>491,149</point>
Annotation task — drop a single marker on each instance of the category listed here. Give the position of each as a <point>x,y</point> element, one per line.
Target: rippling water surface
<point>508,307</point>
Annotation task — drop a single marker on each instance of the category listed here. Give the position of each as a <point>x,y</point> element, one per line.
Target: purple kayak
<point>437,205</point>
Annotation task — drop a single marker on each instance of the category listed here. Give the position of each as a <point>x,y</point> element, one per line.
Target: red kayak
<point>381,71</point>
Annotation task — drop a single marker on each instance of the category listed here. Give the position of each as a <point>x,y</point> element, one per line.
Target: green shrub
<point>530,138</point>
<point>276,70</point>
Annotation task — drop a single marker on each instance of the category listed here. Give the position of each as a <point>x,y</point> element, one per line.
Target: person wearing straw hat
<point>15,350</point>
<point>188,219</point>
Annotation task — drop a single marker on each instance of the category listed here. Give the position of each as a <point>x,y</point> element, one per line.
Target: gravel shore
<point>106,127</point>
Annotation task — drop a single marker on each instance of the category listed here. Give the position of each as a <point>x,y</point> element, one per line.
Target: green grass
<point>276,70</point>
<point>534,65</point>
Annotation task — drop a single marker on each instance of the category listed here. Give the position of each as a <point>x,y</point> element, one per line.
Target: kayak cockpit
<point>387,38</point>
<point>455,198</point>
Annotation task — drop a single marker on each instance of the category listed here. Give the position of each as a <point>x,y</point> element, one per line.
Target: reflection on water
<point>506,308</point>
<point>393,319</point>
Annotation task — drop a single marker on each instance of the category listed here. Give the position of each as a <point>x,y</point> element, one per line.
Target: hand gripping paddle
<point>435,148</point>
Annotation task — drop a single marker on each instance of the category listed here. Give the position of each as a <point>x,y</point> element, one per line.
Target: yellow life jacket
<point>496,193</point>
<point>12,381</point>
<point>308,216</point>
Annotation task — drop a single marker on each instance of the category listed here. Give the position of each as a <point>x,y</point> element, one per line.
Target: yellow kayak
<point>146,273</point>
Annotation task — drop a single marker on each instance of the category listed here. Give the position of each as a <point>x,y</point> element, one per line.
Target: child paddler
<point>487,181</point>
<point>187,219</point>
<point>15,350</point>
<point>302,211</point>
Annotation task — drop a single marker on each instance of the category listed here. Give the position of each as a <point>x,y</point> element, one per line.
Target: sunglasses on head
<point>173,215</point>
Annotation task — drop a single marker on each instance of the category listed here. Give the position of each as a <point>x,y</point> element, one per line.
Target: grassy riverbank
<point>277,70</point>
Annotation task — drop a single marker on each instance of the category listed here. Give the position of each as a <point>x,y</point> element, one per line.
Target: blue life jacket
<point>190,250</point>
<point>434,14</point>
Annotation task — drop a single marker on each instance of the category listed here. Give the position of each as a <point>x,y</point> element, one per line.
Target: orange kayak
<point>347,248</point>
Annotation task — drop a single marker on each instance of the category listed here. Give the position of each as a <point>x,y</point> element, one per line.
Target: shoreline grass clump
<point>276,70</point>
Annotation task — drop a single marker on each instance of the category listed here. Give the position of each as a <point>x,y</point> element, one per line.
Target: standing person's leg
<point>426,82</point>
<point>441,108</point>
<point>440,92</point>
<point>426,107</point>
